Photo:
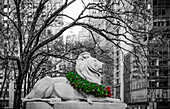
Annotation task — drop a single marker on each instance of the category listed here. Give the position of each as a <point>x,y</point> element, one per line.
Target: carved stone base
<point>74,105</point>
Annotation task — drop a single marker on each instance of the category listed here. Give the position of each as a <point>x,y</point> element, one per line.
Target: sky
<point>74,10</point>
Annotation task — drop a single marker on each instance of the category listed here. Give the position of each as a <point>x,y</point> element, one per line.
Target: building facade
<point>147,80</point>
<point>118,58</point>
<point>149,75</point>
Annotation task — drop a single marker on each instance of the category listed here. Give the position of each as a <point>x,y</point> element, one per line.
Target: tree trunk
<point>18,92</point>
<point>4,81</point>
<point>25,85</point>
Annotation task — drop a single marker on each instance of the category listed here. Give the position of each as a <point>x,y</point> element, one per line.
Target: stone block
<point>74,105</point>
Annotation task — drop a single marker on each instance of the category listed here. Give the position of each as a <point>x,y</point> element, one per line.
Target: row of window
<point>157,72</point>
<point>161,23</point>
<point>156,62</point>
<point>117,74</point>
<point>161,3</point>
<point>163,52</point>
<point>138,85</point>
<point>117,67</point>
<point>117,81</point>
<point>158,12</point>
<point>158,84</point>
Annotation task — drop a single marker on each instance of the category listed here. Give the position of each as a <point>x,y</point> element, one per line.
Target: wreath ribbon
<point>81,84</point>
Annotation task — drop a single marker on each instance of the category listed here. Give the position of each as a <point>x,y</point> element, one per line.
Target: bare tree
<point>119,21</point>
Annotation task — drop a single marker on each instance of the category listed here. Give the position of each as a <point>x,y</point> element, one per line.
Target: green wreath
<point>81,84</point>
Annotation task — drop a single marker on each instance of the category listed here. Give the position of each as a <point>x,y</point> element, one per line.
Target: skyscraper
<point>149,76</point>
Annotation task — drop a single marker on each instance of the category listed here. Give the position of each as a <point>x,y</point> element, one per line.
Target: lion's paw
<point>55,99</point>
<point>113,100</point>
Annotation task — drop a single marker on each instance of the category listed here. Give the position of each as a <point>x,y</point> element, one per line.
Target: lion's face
<point>89,67</point>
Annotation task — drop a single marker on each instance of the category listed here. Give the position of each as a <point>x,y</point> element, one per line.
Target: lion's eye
<point>95,60</point>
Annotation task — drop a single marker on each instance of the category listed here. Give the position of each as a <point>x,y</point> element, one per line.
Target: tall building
<point>127,69</point>
<point>97,23</point>
<point>118,72</point>
<point>58,23</point>
<point>135,82</point>
<point>158,68</point>
<point>149,76</point>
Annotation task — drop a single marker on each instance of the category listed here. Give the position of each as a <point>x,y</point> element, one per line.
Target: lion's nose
<point>103,65</point>
<point>100,69</point>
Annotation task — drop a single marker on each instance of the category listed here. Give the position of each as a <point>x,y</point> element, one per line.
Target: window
<point>136,66</point>
<point>167,23</point>
<point>163,52</point>
<point>152,83</point>
<point>164,63</point>
<point>93,12</point>
<point>163,2</point>
<point>141,85</point>
<point>154,62</point>
<point>162,23</point>
<point>159,23</point>
<point>117,67</point>
<point>159,12</point>
<point>138,85</point>
<point>167,3</point>
<point>1,76</point>
<point>163,72</point>
<point>117,53</point>
<point>117,81</point>
<point>163,12</point>
<point>157,72</point>
<point>154,72</point>
<point>155,2</point>
<point>159,3</point>
<point>117,60</point>
<point>163,84</point>
<point>154,12</point>
<point>117,74</point>
<point>133,87</point>
<point>154,23</point>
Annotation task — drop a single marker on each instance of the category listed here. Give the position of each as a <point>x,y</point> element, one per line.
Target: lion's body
<point>59,89</point>
<point>54,88</point>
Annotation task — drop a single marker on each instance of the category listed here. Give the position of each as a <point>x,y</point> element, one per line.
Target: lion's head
<point>89,67</point>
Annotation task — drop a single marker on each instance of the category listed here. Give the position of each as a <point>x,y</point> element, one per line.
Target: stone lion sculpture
<point>59,89</point>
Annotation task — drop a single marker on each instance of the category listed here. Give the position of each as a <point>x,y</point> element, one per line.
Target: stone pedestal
<point>74,105</point>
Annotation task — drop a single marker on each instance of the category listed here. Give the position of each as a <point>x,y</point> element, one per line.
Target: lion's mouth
<point>103,69</point>
<point>100,70</point>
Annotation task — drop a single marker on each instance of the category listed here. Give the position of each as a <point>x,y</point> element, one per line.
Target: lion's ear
<point>85,56</point>
<point>80,58</point>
